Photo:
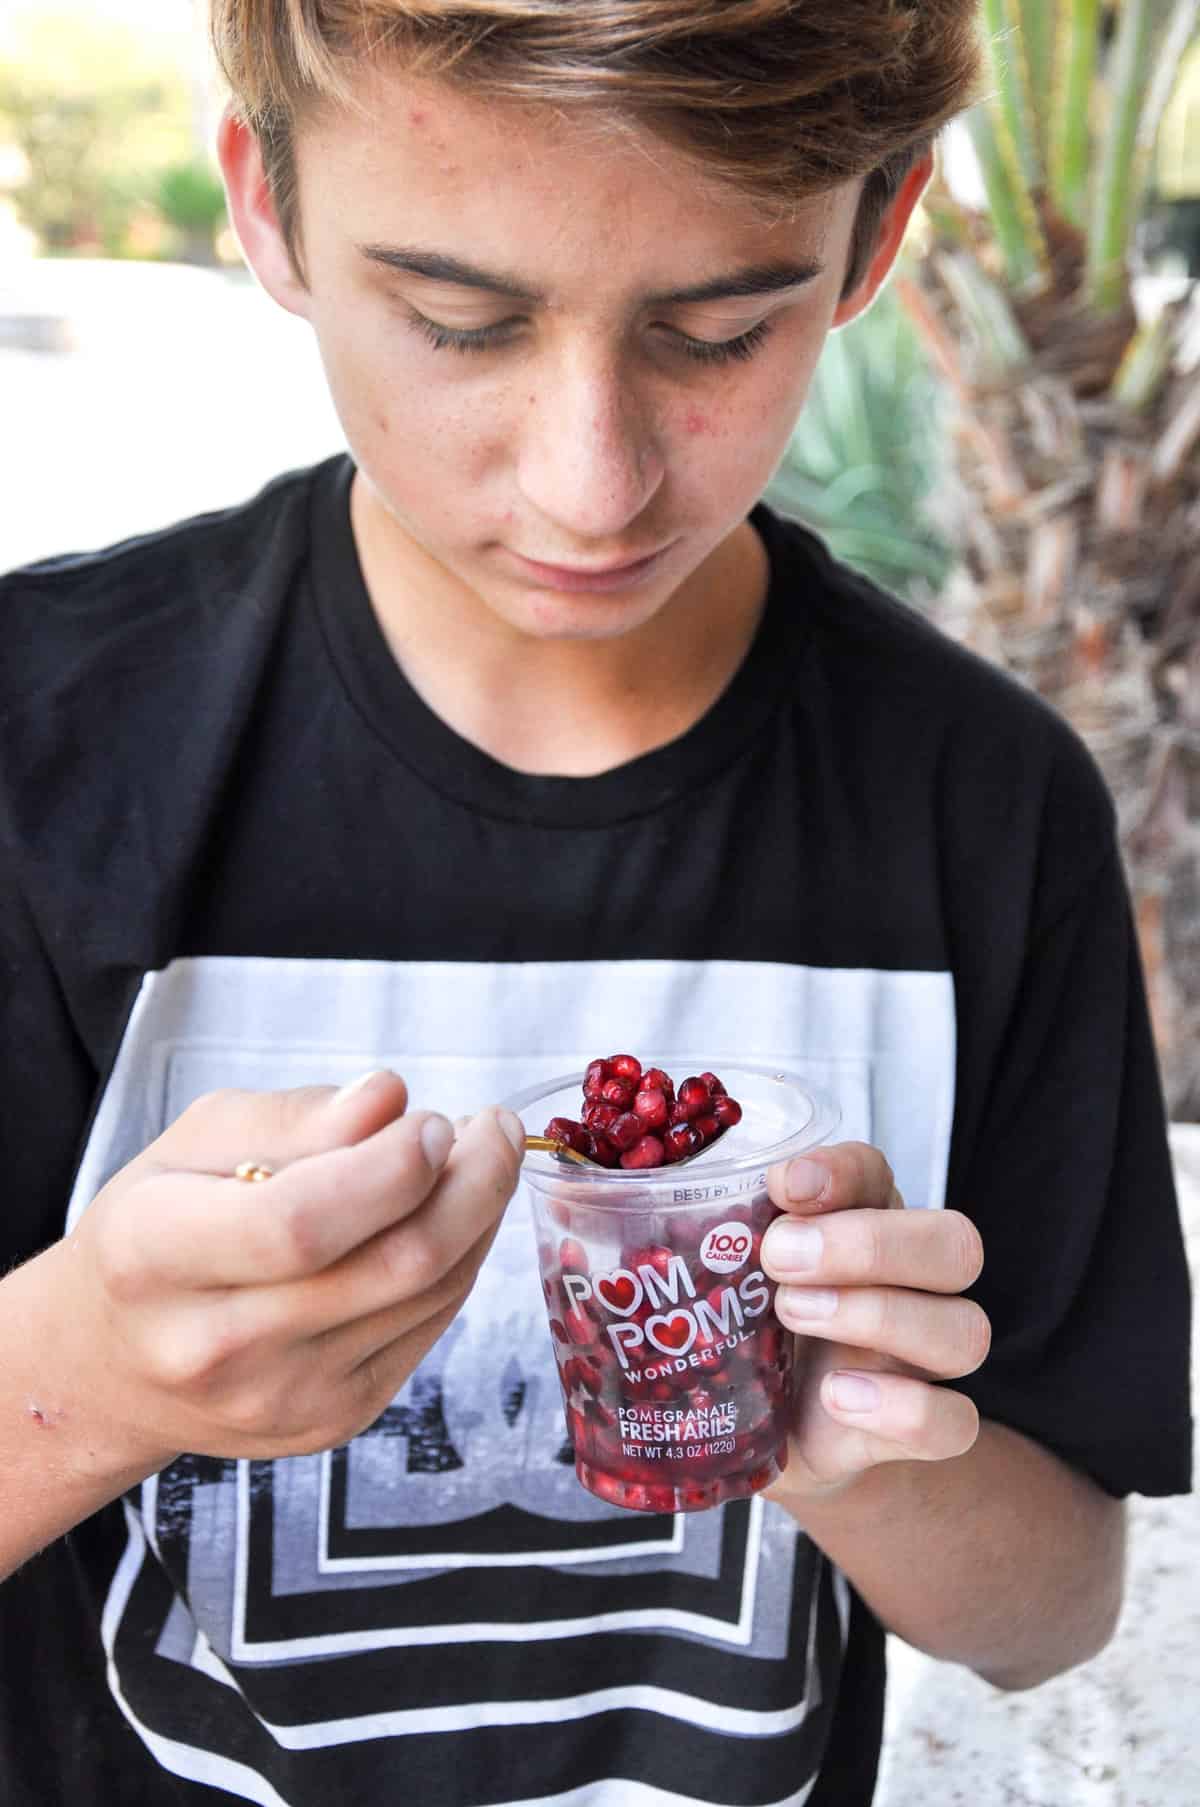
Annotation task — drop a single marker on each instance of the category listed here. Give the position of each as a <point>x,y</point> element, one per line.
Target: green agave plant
<point>865,463</point>
<point>1076,437</point>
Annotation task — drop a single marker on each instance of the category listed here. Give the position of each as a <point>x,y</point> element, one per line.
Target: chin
<point>546,616</point>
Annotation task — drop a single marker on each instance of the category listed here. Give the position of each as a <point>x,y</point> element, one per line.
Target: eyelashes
<point>494,338</point>
<point>726,351</point>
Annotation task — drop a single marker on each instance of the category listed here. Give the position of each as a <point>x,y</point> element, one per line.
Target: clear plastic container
<point>676,1374</point>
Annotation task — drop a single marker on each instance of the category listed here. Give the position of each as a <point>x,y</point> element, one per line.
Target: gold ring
<point>253,1171</point>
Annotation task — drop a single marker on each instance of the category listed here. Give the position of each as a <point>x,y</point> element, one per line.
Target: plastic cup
<point>677,1377</point>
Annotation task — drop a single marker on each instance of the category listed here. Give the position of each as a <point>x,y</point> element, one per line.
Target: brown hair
<point>778,99</point>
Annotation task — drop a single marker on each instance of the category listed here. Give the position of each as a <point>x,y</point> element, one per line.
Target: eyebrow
<point>754,279</point>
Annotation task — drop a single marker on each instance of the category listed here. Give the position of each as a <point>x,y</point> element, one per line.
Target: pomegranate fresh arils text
<point>635,1118</point>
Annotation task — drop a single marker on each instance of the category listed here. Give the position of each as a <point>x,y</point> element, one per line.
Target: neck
<point>560,707</point>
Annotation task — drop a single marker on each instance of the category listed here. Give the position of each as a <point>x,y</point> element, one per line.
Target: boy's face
<point>535,340</point>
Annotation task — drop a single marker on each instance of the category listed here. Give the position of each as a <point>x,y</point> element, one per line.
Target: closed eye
<point>500,332</point>
<point>725,351</point>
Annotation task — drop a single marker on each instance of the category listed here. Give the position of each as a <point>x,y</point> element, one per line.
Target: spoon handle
<point>548,1146</point>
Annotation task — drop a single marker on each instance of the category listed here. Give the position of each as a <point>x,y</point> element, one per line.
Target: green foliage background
<point>868,456</point>
<point>100,112</point>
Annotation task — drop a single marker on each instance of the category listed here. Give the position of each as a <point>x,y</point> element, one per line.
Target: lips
<point>613,576</point>
<point>609,570</point>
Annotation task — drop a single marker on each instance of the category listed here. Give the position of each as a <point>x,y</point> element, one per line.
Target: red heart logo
<point>619,1291</point>
<point>674,1331</point>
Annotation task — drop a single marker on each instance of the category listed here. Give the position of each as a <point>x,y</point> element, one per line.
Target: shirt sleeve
<point>1070,1182</point>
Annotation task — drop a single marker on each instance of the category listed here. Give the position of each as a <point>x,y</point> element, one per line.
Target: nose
<point>589,460</point>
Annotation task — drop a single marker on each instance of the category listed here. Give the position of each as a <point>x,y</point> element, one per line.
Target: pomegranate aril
<point>655,1080</point>
<point>625,1067</point>
<point>685,1234</point>
<point>707,1128</point>
<point>579,1327</point>
<point>655,1498</point>
<point>627,1130</point>
<point>652,1108</point>
<point>764,1211</point>
<point>618,1092</point>
<point>597,1114</point>
<point>682,1139</point>
<point>715,1087</point>
<point>693,1098</point>
<point>652,1255</point>
<point>727,1111</point>
<point>579,1431</point>
<point>565,1129</point>
<point>602,1149</point>
<point>648,1152</point>
<point>572,1256</point>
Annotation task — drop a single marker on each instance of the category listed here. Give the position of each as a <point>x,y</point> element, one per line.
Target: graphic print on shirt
<point>454,1528</point>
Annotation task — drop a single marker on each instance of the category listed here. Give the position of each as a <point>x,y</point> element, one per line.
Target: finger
<point>222,1129</point>
<point>932,1251</point>
<point>946,1337</point>
<point>893,1418</point>
<point>839,1178</point>
<point>204,1232</point>
<point>383,1370</point>
<point>348,1346</point>
<point>430,1256</point>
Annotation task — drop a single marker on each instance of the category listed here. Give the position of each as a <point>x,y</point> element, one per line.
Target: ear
<point>891,237</point>
<point>252,211</point>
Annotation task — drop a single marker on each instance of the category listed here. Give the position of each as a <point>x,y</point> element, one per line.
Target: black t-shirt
<point>239,849</point>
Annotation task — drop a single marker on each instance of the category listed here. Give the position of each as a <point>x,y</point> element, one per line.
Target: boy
<point>519,736</point>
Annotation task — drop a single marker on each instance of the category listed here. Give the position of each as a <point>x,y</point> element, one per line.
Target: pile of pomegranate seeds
<point>636,1118</point>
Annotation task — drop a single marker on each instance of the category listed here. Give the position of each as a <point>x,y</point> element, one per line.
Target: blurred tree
<point>1077,430</point>
<point>98,113</point>
<point>191,198</point>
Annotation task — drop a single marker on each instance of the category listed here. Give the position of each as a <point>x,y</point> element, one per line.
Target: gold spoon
<point>547,1145</point>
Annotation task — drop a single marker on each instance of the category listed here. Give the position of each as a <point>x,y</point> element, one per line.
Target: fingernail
<point>853,1393</point>
<point>805,1302</point>
<point>806,1179</point>
<point>794,1248</point>
<point>357,1085</point>
<point>437,1139</point>
<point>513,1128</point>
